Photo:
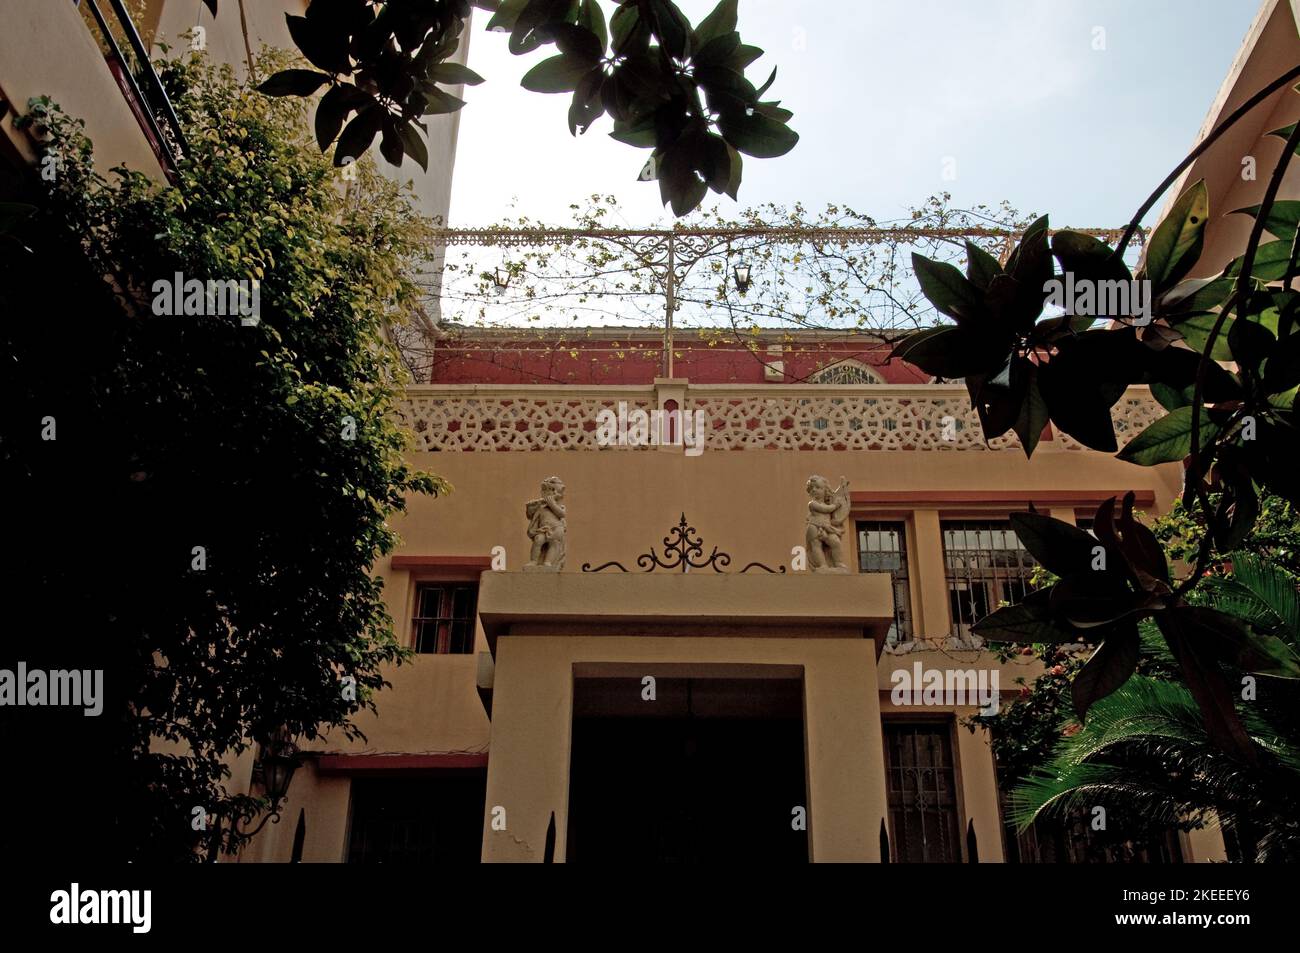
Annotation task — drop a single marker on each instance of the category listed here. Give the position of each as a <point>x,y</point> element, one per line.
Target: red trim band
<point>442,562</point>
<point>349,763</point>
<point>927,499</point>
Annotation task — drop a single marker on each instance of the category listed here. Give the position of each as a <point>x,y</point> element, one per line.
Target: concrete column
<point>528,769</point>
<point>929,587</point>
<point>327,823</point>
<point>671,389</point>
<point>846,779</point>
<point>977,775</point>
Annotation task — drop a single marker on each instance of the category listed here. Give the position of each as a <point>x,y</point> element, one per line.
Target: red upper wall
<point>638,359</point>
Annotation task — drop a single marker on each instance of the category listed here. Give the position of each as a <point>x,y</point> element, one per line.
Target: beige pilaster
<point>929,586</point>
<point>1064,514</point>
<point>978,779</point>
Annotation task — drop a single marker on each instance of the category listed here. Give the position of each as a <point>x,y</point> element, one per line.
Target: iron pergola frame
<point>671,253</point>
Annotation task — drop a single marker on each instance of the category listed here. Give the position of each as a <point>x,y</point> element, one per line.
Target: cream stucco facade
<point>538,635</point>
<point>505,711</point>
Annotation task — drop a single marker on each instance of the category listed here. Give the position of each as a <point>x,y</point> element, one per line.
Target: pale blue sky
<point>883,91</point>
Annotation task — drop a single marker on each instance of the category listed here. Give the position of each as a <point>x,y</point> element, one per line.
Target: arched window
<point>846,372</point>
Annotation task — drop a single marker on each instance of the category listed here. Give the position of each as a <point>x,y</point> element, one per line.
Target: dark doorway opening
<point>710,771</point>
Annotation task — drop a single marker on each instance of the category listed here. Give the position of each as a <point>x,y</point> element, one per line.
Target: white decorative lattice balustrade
<point>488,417</point>
<point>780,417</point>
<point>860,417</point>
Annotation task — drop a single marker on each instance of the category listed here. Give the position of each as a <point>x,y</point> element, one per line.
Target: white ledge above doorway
<point>682,605</point>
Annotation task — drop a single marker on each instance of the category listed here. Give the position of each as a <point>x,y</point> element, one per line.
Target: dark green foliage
<point>1234,430</point>
<point>1145,757</point>
<point>1147,752</point>
<point>1022,371</point>
<point>176,432</point>
<point>1108,584</point>
<point>679,90</point>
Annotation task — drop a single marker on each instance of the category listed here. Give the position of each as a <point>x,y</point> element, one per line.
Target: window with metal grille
<point>985,565</point>
<point>418,820</point>
<point>882,547</point>
<point>922,786</point>
<point>444,618</point>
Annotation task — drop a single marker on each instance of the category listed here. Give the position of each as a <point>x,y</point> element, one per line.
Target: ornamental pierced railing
<point>486,417</point>
<point>939,417</point>
<point>854,417</point>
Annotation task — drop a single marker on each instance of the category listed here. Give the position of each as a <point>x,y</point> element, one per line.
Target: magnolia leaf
<point>1176,244</point>
<point>1028,621</point>
<point>1196,332</point>
<point>359,134</point>
<point>1281,219</point>
<point>1109,667</point>
<point>1193,648</point>
<point>1060,547</point>
<point>720,22</point>
<point>413,144</point>
<point>1271,261</point>
<point>325,48</point>
<point>556,74</point>
<point>1168,439</point>
<point>757,135</point>
<point>981,267</point>
<point>1095,597</point>
<point>454,74</point>
<point>947,288</point>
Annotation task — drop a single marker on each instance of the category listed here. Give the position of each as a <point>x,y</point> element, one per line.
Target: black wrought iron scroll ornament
<point>683,551</point>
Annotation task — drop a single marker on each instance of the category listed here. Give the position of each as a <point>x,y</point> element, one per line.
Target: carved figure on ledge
<point>828,512</point>
<point>546,528</point>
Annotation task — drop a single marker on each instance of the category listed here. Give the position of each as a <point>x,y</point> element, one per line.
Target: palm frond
<point>1153,644</point>
<point>1235,598</point>
<point>1273,586</point>
<point>1144,752</point>
<point>1086,786</point>
<point>1141,707</point>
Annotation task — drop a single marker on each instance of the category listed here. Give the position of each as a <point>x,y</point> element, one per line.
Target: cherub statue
<point>827,512</point>
<point>546,528</point>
